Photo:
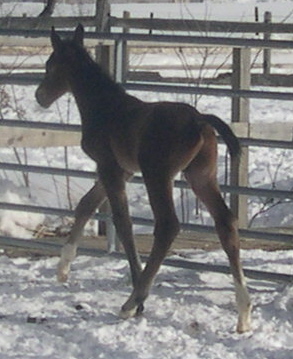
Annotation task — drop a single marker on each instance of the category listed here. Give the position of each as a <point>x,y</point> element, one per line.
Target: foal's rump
<point>177,131</point>
<point>226,133</point>
<point>171,138</point>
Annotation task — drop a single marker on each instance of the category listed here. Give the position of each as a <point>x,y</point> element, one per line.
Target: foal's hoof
<point>62,277</point>
<point>130,313</point>
<point>244,321</point>
<point>62,274</point>
<point>243,328</point>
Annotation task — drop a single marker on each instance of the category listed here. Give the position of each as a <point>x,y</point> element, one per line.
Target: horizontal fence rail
<point>34,79</point>
<point>177,263</point>
<point>182,25</point>
<point>244,233</point>
<point>248,191</point>
<point>270,193</point>
<point>202,26</point>
<point>140,39</point>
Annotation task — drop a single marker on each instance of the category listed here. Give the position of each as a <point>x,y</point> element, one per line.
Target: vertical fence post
<point>240,113</point>
<point>267,52</point>
<point>121,56</point>
<point>126,15</point>
<point>103,57</point>
<point>256,17</point>
<point>103,53</point>
<point>119,61</point>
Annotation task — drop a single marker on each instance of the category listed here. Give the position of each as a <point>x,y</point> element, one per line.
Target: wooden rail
<point>31,134</point>
<point>174,25</point>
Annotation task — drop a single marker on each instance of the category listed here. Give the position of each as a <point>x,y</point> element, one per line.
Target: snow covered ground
<point>188,315</point>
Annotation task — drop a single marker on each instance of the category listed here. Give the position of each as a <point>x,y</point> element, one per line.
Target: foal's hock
<point>123,135</point>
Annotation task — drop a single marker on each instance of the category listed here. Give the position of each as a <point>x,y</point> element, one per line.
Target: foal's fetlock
<point>62,272</point>
<point>244,321</point>
<point>136,311</point>
<point>132,308</point>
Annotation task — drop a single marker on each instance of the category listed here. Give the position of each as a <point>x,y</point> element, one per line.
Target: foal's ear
<point>55,39</point>
<point>79,35</point>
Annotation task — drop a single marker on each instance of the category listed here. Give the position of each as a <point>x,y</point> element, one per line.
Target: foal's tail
<point>227,134</point>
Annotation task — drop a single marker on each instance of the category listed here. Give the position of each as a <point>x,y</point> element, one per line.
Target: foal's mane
<point>90,68</point>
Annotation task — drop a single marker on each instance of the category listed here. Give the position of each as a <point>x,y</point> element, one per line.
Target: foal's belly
<point>126,158</point>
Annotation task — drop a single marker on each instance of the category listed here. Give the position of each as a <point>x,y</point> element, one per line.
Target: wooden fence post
<point>103,53</point>
<point>240,113</point>
<point>267,52</point>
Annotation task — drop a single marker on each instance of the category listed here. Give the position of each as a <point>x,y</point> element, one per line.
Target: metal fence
<point>120,41</point>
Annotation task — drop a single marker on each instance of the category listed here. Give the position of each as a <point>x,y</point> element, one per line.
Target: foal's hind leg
<point>85,209</point>
<point>226,226</point>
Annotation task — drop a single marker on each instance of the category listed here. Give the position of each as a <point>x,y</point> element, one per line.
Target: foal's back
<point>161,131</point>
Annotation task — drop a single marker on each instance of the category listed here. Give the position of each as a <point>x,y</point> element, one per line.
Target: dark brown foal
<point>123,135</point>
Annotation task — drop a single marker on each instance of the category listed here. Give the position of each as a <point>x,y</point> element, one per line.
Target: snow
<point>188,315</point>
<point>14,223</point>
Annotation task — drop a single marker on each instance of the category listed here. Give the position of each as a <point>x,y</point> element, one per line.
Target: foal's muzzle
<point>42,97</point>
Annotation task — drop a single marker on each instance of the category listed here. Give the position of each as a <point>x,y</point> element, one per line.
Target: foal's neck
<point>96,94</point>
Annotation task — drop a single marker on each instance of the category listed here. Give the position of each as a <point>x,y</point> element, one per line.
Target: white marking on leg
<point>243,305</point>
<point>125,314</point>
<point>68,254</point>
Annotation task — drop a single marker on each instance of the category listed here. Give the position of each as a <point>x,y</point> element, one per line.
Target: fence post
<point>126,15</point>
<point>267,52</point>
<point>103,57</point>
<point>121,55</point>
<point>240,113</point>
<point>103,53</point>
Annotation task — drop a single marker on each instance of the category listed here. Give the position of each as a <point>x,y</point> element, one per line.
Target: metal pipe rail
<point>247,191</point>
<point>177,263</point>
<point>142,221</point>
<point>35,78</point>
<point>211,91</point>
<point>244,233</point>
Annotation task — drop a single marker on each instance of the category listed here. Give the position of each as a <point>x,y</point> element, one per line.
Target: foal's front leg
<point>85,209</point>
<point>166,229</point>
<point>114,179</point>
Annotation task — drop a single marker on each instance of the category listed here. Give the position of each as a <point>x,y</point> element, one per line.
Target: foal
<point>123,135</point>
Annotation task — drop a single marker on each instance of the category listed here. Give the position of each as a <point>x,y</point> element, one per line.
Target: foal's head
<point>55,82</point>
